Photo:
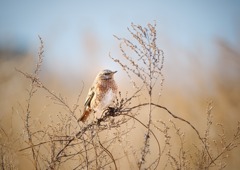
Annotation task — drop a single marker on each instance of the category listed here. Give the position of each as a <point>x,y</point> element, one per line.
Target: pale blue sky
<point>64,25</point>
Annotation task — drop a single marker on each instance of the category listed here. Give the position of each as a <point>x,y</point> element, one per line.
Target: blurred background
<point>200,40</point>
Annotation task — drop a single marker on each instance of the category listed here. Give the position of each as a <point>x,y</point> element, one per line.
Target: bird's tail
<point>85,115</point>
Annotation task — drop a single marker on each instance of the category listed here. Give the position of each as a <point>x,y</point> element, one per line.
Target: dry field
<point>166,116</point>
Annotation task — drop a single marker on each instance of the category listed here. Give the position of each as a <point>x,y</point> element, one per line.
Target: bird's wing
<point>89,98</point>
<point>87,106</point>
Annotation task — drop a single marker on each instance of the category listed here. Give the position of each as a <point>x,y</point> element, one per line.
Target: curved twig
<point>109,153</point>
<point>176,117</point>
<point>159,148</point>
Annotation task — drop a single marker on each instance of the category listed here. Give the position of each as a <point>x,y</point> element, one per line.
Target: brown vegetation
<point>137,133</point>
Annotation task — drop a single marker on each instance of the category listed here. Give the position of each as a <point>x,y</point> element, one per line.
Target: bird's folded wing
<point>89,98</point>
<point>87,106</point>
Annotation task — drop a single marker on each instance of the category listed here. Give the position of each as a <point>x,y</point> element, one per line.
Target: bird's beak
<point>114,72</point>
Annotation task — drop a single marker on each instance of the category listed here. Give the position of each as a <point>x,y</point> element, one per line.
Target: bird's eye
<point>107,74</point>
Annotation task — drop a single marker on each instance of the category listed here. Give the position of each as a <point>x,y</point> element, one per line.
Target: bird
<point>100,95</point>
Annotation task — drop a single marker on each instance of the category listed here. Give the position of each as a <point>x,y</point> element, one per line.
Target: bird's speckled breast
<point>105,93</point>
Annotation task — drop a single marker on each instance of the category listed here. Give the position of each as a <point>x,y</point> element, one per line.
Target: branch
<point>176,117</point>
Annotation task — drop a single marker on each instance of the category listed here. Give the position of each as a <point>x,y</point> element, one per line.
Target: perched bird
<point>100,95</point>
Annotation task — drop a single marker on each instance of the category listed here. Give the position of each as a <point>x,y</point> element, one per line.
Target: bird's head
<point>106,74</point>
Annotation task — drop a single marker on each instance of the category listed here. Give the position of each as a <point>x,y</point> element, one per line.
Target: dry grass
<point>137,133</point>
